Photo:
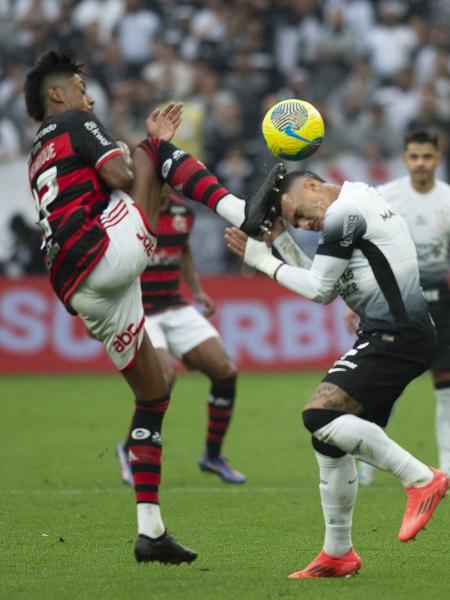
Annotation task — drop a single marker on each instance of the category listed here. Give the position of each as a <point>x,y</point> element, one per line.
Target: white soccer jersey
<point>428,219</point>
<point>367,256</point>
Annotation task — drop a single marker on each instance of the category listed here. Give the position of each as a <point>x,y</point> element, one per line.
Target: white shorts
<point>109,300</point>
<point>179,330</point>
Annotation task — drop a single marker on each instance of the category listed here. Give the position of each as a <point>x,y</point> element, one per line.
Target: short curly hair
<point>49,64</point>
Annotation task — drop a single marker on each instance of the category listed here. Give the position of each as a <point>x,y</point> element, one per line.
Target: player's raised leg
<point>188,175</point>
<point>425,487</point>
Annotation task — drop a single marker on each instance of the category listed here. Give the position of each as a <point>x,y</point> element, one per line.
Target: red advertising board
<point>264,327</point>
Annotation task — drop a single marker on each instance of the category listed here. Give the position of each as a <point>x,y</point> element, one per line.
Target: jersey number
<point>47,179</point>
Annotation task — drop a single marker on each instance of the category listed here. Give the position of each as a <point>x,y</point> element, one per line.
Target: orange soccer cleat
<point>421,504</point>
<point>330,566</point>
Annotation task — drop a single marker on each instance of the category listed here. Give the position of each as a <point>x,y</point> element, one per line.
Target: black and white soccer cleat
<point>259,207</point>
<point>164,549</point>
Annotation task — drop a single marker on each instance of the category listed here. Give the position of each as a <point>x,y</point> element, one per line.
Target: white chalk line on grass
<point>177,490</point>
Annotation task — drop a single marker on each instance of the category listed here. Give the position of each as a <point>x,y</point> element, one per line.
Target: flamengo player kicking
<point>366,255</point>
<point>98,242</point>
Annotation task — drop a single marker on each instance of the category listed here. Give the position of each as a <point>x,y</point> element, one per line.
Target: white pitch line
<point>177,490</point>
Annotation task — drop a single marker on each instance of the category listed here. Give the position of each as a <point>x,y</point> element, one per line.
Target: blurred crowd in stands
<point>374,68</point>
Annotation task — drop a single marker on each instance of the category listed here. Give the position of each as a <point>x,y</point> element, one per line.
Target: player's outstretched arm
<point>318,283</point>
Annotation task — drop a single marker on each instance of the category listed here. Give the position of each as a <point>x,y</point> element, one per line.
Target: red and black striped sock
<point>220,410</point>
<point>145,447</point>
<point>184,172</point>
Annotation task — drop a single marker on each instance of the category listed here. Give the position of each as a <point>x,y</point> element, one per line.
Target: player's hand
<point>254,253</point>
<point>206,302</point>
<point>351,320</point>
<point>236,241</point>
<point>163,122</point>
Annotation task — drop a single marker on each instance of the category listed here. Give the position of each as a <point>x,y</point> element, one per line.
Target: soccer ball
<point>293,129</point>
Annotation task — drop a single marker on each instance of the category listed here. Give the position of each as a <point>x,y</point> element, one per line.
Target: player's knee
<point>315,418</point>
<point>326,449</point>
<point>224,371</point>
<point>230,370</point>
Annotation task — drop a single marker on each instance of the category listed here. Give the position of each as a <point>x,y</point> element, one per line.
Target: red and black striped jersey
<point>161,281</point>
<point>68,151</point>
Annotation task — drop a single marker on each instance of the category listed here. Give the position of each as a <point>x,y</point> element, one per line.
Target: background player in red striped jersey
<point>98,242</point>
<point>179,330</point>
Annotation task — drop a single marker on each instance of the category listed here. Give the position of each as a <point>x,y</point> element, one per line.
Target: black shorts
<point>376,371</point>
<point>438,301</point>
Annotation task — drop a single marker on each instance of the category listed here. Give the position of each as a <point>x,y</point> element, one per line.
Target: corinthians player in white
<point>366,255</point>
<point>424,203</point>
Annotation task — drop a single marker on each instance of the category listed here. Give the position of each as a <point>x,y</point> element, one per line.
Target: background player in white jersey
<point>366,255</point>
<point>424,202</point>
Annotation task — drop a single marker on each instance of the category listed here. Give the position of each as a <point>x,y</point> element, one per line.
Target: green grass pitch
<point>67,524</point>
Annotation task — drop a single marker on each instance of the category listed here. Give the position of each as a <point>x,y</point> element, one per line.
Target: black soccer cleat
<point>164,549</point>
<point>258,207</point>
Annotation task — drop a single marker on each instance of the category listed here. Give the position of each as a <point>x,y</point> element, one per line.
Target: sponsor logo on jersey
<point>51,127</point>
<point>148,242</point>
<point>348,230</point>
<point>123,340</point>
<point>92,127</point>
<point>387,214</point>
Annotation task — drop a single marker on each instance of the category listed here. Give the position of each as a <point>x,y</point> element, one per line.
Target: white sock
<point>149,520</point>
<point>367,441</point>
<point>232,209</point>
<point>338,489</point>
<point>443,428</point>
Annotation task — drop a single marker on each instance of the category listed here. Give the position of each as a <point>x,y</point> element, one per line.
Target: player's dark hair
<point>49,64</point>
<point>286,184</point>
<point>290,177</point>
<point>421,136</point>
